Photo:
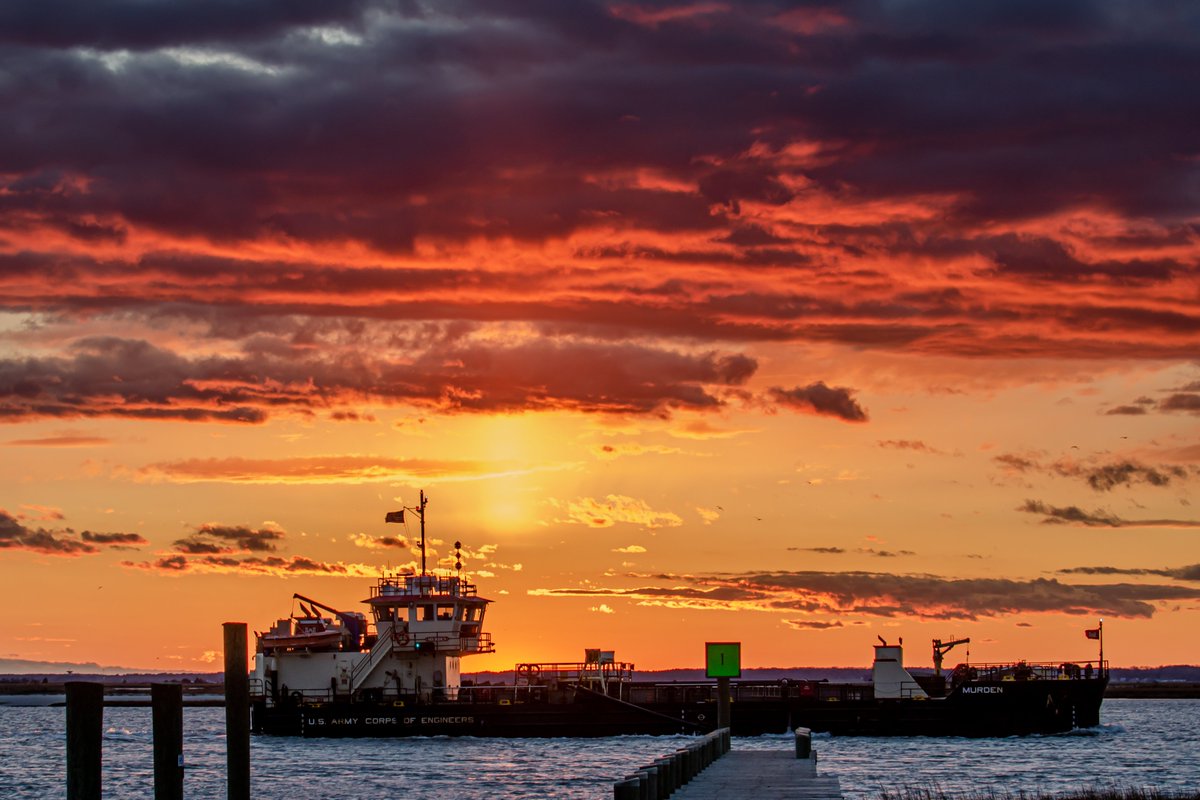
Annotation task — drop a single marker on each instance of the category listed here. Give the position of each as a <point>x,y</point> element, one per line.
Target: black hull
<point>534,720</point>
<point>976,710</point>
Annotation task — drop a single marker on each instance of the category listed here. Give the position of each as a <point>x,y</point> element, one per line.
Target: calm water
<point>1142,743</point>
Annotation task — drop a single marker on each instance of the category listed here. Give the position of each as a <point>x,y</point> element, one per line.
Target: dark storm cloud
<point>1188,573</point>
<point>248,565</point>
<point>1073,515</point>
<point>139,24</point>
<point>218,539</point>
<point>870,551</point>
<point>817,398</point>
<point>119,377</point>
<point>889,595</point>
<point>980,103</point>
<point>117,540</point>
<point>1101,477</point>
<point>398,124</point>
<point>1185,400</point>
<point>1124,473</point>
<point>1189,403</point>
<point>15,535</point>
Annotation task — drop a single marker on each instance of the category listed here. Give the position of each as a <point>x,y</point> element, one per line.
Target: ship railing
<point>576,672</point>
<point>478,643</point>
<point>258,687</point>
<point>423,586</point>
<point>503,694</point>
<point>1029,670</point>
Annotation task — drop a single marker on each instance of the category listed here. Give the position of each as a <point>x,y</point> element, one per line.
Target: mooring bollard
<point>166,714</point>
<point>85,734</point>
<point>237,711</point>
<point>803,742</point>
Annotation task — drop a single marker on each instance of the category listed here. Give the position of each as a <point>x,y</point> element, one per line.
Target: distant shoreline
<point>116,686</point>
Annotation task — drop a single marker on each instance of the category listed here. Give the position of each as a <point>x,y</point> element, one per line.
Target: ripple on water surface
<point>1142,743</point>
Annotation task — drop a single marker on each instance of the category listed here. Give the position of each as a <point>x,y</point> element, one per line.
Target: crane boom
<point>940,649</point>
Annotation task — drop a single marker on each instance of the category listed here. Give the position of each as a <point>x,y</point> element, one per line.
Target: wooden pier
<point>762,775</point>
<point>709,768</point>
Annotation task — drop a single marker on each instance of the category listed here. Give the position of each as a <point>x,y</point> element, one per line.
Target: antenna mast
<point>398,516</point>
<point>421,514</point>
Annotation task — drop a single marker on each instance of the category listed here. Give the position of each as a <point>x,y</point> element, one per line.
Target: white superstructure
<point>423,624</point>
<point>892,681</point>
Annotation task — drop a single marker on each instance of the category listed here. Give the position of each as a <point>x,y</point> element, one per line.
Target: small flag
<point>394,516</point>
<point>1092,633</point>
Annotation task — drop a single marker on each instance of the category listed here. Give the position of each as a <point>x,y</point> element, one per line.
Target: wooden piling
<point>166,712</point>
<point>628,789</point>
<point>803,742</point>
<point>650,792</point>
<point>85,732</point>
<point>237,711</point>
<point>723,703</point>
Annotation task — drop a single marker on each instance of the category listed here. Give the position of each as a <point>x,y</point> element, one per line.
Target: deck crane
<point>940,649</point>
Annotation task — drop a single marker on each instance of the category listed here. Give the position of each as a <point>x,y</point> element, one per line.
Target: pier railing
<point>662,777</point>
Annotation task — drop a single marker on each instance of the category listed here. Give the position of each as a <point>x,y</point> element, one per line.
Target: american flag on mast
<point>1092,633</point>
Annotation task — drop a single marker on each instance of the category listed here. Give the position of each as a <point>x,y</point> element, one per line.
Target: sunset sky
<point>794,324</point>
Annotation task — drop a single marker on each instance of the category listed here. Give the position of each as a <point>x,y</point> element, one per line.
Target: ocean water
<point>1141,743</point>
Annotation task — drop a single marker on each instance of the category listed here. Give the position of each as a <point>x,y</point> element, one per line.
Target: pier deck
<point>763,775</point>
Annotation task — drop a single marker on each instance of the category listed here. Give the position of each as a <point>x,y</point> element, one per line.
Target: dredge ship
<point>399,674</point>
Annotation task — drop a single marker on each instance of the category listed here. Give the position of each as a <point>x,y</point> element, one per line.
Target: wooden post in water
<point>166,713</point>
<point>803,742</point>
<point>723,702</point>
<point>237,711</point>
<point>85,732</point>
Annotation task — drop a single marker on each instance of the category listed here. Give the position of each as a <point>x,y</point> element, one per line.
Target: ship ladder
<point>364,668</point>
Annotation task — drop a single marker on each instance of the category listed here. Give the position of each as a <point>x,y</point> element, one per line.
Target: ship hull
<point>976,710</point>
<point>582,720</point>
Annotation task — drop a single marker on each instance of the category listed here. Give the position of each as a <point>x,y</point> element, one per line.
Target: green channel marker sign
<point>723,659</point>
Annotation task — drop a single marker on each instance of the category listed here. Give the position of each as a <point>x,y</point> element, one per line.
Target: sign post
<point>723,660</point>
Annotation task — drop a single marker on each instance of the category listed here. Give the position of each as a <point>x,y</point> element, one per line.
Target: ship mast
<point>398,516</point>
<point>421,514</point>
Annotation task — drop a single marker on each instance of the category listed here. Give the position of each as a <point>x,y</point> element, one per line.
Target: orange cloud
<point>619,508</point>
<point>313,469</point>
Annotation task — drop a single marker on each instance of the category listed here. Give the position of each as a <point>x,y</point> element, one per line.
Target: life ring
<point>401,638</point>
<point>700,718</point>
